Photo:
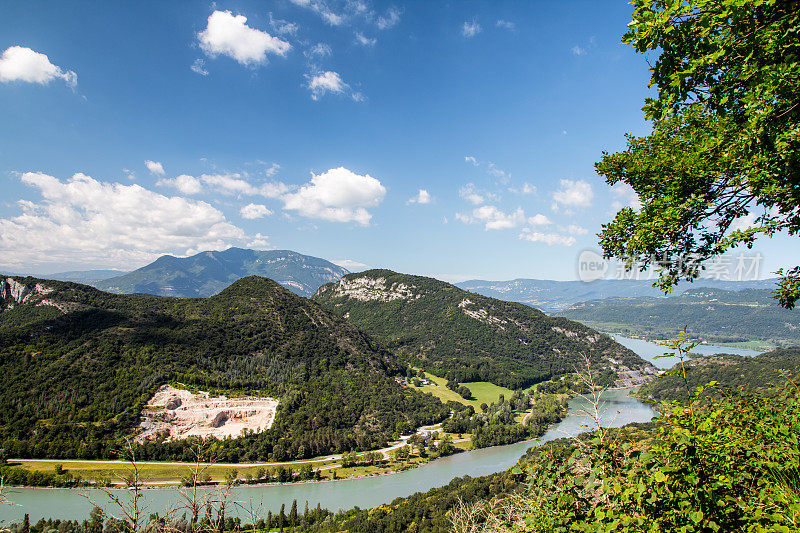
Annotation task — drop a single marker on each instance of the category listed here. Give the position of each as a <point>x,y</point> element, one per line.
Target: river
<point>618,409</point>
<point>649,350</point>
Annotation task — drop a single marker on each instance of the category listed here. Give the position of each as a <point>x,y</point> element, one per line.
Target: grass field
<point>483,391</point>
<point>151,473</point>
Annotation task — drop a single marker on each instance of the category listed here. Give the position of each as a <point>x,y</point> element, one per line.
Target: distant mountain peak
<point>207,273</point>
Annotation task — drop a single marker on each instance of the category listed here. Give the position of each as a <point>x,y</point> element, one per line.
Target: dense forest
<point>716,315</point>
<point>79,364</point>
<point>465,336</point>
<point>732,373</point>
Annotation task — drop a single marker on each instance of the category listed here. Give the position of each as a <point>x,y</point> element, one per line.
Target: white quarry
<point>176,414</point>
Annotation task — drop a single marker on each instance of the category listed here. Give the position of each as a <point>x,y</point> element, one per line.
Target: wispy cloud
<point>470,29</point>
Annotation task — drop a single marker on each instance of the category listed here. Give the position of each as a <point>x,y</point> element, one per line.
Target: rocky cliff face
<point>13,292</point>
<point>367,289</point>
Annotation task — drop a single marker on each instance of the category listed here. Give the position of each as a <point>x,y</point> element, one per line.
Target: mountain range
<point>208,273</point>
<point>465,336</point>
<point>79,365</point>
<point>714,315</point>
<point>554,296</point>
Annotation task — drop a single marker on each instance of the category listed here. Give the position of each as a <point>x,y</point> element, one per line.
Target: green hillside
<point>207,273</point>
<point>715,315</point>
<point>464,336</point>
<point>78,364</point>
<point>761,374</point>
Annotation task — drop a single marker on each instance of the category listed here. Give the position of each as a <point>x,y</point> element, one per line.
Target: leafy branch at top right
<point>720,167</point>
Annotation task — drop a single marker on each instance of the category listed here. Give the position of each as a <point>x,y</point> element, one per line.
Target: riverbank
<point>365,492</point>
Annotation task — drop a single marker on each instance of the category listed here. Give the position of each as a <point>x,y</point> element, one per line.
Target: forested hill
<point>714,315</point>
<point>465,336</point>
<point>766,373</point>
<point>207,273</point>
<point>78,364</point>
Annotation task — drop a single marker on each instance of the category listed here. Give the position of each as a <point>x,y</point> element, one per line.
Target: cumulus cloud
<point>471,29</point>
<point>338,195</point>
<point>19,63</point>
<point>574,229</point>
<point>493,218</point>
<point>422,197</point>
<point>548,238</point>
<point>573,194</point>
<point>184,183</point>
<point>349,264</point>
<point>474,195</point>
<point>365,41</point>
<point>235,184</point>
<point>539,220</point>
<point>259,242</point>
<point>254,211</point>
<point>83,220</point>
<point>325,82</point>
<point>229,35</point>
<point>155,167</point>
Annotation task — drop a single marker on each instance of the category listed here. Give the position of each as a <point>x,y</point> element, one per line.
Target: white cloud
<point>365,41</point>
<point>259,242</point>
<point>199,67</point>
<point>228,34</point>
<point>578,51</point>
<point>338,195</point>
<point>573,194</point>
<point>548,238</point>
<point>282,27</point>
<point>624,196</point>
<point>349,264</point>
<point>497,173</point>
<point>539,220</point>
<point>235,184</point>
<point>527,188</point>
<point>253,211</point>
<point>326,82</point>
<point>470,159</point>
<point>389,20</point>
<point>493,218</point>
<point>474,195</point>
<point>318,50</point>
<point>19,63</point>
<point>155,167</point>
<point>272,170</point>
<point>322,10</point>
<point>574,229</point>
<point>470,29</point>
<point>83,220</point>
<point>422,197</point>
<point>184,183</point>
<point>506,24</point>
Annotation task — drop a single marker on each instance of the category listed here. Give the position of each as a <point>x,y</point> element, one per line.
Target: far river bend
<point>619,409</point>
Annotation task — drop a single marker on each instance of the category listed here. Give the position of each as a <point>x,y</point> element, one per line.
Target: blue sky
<point>449,139</point>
